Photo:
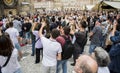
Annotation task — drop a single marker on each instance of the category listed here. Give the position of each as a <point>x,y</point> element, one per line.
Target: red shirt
<point>61,40</point>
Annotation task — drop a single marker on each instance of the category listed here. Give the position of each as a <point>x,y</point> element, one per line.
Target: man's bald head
<point>86,64</point>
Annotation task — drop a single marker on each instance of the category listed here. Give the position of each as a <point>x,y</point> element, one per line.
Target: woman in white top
<point>7,49</point>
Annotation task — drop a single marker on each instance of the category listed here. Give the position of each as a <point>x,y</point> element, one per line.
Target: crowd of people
<point>59,36</point>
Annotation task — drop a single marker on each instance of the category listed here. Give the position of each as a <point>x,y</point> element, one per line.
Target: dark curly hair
<point>83,24</point>
<point>6,46</point>
<point>55,33</point>
<point>66,30</point>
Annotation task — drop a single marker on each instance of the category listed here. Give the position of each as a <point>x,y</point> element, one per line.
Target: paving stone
<point>28,63</point>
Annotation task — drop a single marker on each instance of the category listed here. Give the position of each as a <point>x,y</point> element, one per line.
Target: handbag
<point>5,63</point>
<point>108,41</point>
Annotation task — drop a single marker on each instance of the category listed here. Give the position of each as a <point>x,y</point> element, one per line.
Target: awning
<point>113,4</point>
<point>89,7</point>
<point>106,5</point>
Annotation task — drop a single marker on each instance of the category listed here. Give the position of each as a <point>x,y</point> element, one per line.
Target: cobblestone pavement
<point>28,62</point>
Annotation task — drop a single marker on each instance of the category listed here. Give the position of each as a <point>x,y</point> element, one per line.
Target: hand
<point>114,29</point>
<point>35,23</point>
<point>43,24</point>
<point>114,26</point>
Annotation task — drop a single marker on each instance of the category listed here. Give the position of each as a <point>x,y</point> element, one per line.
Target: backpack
<point>67,48</point>
<point>81,39</point>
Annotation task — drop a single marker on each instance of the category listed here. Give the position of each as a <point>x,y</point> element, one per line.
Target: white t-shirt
<point>13,33</point>
<point>13,63</point>
<point>50,50</point>
<point>103,70</point>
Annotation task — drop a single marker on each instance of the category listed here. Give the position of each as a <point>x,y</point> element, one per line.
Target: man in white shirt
<point>51,50</point>
<point>14,36</point>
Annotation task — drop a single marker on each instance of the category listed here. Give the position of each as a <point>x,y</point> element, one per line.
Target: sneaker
<point>36,62</point>
<point>73,72</point>
<point>23,58</point>
<point>32,54</point>
<point>73,64</point>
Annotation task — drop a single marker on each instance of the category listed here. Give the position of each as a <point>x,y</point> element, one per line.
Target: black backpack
<point>67,48</point>
<point>81,38</point>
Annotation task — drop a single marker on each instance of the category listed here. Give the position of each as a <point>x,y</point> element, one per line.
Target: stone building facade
<point>63,4</point>
<point>16,7</point>
<point>26,7</point>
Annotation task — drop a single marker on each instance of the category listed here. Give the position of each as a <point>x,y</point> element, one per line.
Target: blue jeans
<point>33,46</point>
<point>92,48</point>
<point>61,64</point>
<point>27,35</point>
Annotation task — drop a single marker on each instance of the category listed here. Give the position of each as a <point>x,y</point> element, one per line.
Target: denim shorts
<point>17,46</point>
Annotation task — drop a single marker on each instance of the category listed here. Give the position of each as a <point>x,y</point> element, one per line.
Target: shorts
<point>17,46</point>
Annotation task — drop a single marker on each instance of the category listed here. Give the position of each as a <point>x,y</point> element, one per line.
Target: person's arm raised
<point>114,29</point>
<point>41,29</point>
<point>34,25</point>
